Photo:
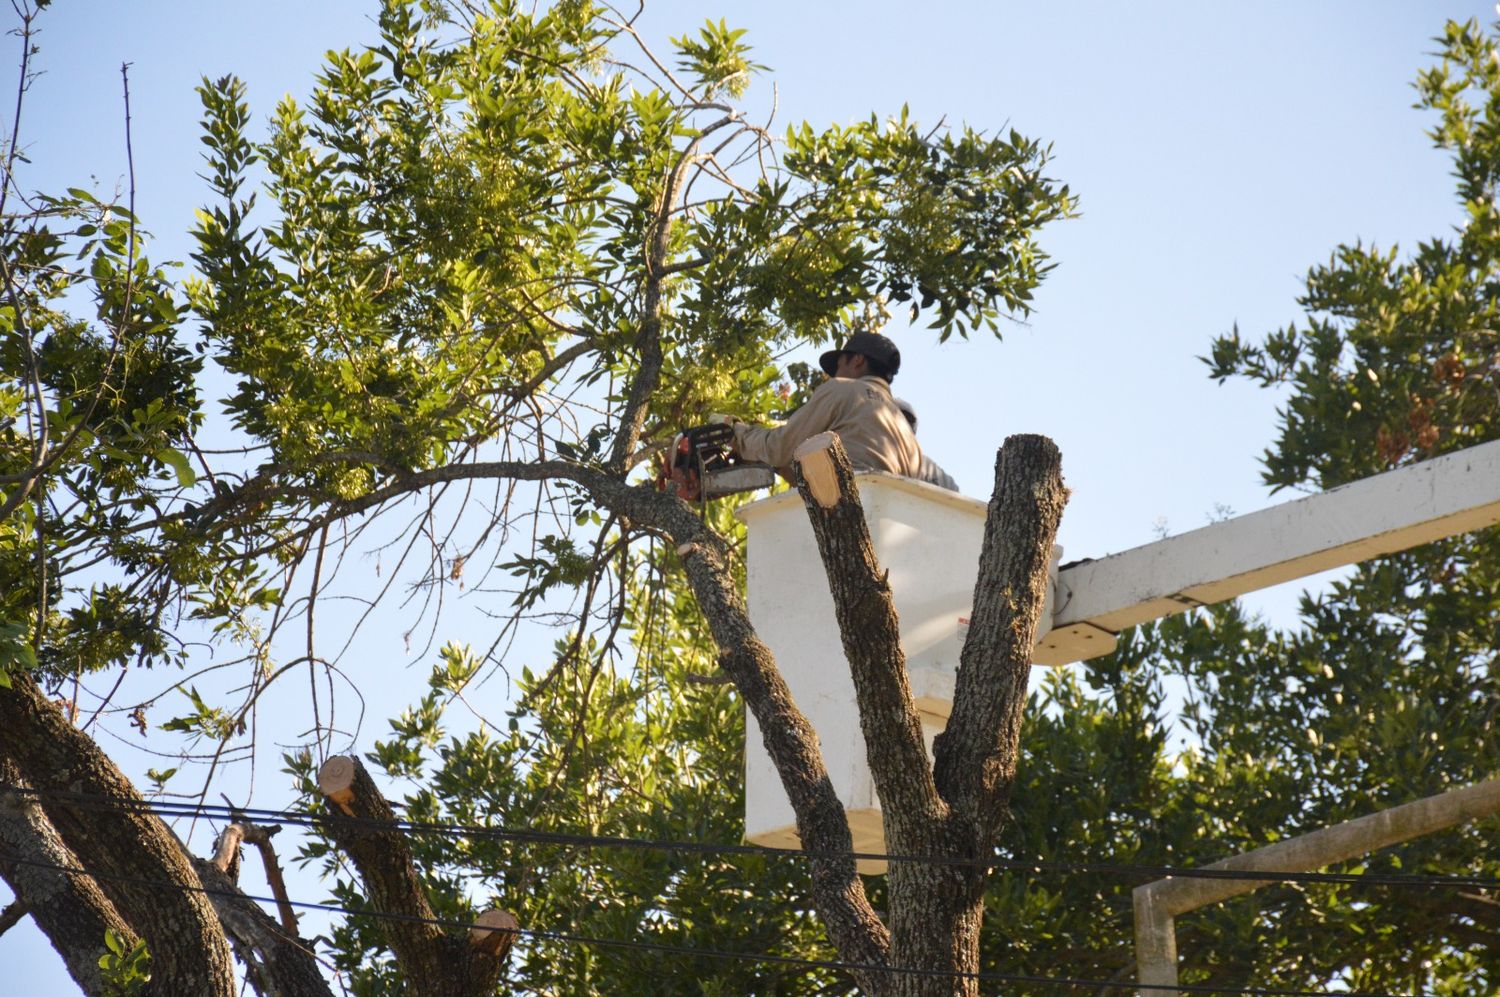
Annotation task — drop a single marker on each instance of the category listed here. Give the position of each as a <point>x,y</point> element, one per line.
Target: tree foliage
<point>456,219</point>
<point>509,250</point>
<point>519,249</point>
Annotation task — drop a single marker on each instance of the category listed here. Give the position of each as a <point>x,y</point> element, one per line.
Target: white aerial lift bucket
<point>929,540</point>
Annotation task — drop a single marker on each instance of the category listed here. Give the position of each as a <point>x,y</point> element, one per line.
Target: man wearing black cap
<point>856,403</point>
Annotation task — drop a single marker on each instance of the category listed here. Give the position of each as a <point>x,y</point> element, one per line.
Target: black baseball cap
<point>866,344</point>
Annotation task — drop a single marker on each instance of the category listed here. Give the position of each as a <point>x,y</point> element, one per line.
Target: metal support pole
<point>1158,904</point>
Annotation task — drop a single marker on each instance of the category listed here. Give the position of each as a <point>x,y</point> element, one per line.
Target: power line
<point>679,950</point>
<point>312,819</point>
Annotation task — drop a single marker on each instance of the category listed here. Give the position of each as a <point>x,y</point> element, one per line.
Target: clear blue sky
<point>1219,150</point>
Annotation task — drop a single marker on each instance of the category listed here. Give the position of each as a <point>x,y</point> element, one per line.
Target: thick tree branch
<point>120,838</point>
<point>909,801</point>
<point>976,754</point>
<point>70,910</point>
<point>653,509</point>
<point>277,962</point>
<point>852,924</point>
<point>431,958</point>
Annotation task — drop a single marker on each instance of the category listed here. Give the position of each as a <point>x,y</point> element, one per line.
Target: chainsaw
<point>703,465</point>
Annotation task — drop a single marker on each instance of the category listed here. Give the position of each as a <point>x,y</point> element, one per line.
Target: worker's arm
<point>775,446</point>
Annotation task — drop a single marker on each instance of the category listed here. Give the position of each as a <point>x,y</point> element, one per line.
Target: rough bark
<point>139,864</point>
<point>976,755</point>
<point>74,913</point>
<point>277,962</point>
<point>866,614</point>
<point>432,960</point>
<point>952,810</point>
<point>69,909</point>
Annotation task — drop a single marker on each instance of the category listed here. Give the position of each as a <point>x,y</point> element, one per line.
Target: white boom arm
<point>1406,507</point>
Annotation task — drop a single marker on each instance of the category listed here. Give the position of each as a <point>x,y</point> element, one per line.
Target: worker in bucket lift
<point>930,472</point>
<point>856,403</point>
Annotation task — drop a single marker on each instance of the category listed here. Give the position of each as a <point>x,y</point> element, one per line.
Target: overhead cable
<point>314,819</point>
<point>681,950</point>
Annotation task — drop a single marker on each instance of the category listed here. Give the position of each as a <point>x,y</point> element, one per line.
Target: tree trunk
<point>70,910</point>
<point>136,860</point>
<point>952,810</point>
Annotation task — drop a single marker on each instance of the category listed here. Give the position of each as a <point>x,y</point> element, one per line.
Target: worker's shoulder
<point>851,387</point>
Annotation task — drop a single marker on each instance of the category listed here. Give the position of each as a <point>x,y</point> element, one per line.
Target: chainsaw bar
<point>705,466</point>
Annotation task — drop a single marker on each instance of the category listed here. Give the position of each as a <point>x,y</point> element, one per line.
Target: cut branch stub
<point>227,860</point>
<point>227,851</point>
<point>494,932</point>
<point>813,458</point>
<point>336,782</point>
<point>370,834</point>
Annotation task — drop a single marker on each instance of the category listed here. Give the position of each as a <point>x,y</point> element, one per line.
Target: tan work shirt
<point>875,434</point>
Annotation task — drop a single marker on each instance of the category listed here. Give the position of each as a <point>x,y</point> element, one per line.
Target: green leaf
<point>178,461</point>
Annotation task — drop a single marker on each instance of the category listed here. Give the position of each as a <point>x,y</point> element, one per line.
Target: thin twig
<point>312,659</point>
